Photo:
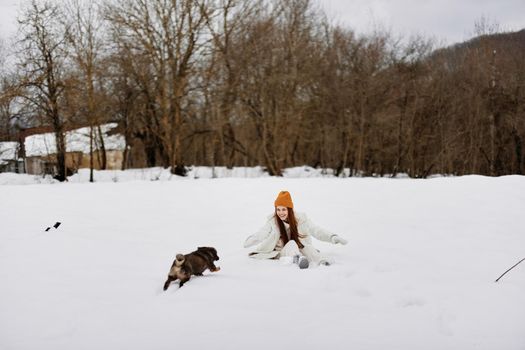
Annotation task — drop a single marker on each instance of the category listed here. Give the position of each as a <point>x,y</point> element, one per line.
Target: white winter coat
<point>268,236</point>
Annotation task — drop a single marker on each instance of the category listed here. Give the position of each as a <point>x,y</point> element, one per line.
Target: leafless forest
<point>271,83</point>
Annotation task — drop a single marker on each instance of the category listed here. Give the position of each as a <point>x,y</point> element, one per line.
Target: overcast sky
<point>447,20</point>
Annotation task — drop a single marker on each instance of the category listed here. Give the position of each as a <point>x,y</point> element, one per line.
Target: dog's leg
<point>168,281</point>
<point>212,267</point>
<point>184,280</point>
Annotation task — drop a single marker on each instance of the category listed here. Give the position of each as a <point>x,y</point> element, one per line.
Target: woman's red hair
<point>294,234</point>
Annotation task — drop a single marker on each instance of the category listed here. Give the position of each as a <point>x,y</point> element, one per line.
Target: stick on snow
<point>509,269</point>
<point>55,226</point>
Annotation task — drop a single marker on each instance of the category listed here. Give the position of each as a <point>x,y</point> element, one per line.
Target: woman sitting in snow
<point>288,235</point>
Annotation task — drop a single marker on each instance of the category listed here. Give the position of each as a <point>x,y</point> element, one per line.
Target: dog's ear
<point>205,250</point>
<point>214,252</point>
<point>209,251</point>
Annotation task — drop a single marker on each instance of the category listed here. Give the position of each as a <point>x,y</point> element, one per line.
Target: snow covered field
<point>418,271</point>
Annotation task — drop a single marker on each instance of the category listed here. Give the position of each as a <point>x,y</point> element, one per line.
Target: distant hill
<point>514,39</point>
<point>501,42</point>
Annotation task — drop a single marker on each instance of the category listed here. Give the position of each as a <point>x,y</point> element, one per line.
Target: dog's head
<point>209,251</point>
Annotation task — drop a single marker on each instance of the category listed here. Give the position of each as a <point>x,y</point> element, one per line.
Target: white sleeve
<point>260,235</point>
<point>318,232</point>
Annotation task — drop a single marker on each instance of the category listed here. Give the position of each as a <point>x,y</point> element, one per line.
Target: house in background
<point>38,150</point>
<point>9,159</point>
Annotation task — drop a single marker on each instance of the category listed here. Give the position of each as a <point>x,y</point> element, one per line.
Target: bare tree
<point>170,35</point>
<point>273,88</point>
<point>4,112</point>
<point>42,60</point>
<point>221,75</point>
<point>86,41</point>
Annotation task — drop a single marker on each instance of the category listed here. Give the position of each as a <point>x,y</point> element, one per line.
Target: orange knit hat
<point>284,199</point>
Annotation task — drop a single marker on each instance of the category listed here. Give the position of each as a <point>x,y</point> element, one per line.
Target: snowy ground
<point>418,272</point>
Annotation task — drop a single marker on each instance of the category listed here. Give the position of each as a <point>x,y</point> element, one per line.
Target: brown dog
<point>194,263</point>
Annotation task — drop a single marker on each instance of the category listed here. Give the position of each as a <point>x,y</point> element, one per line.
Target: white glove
<point>336,239</point>
<point>250,241</point>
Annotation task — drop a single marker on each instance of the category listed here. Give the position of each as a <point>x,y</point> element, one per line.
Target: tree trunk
<point>102,149</point>
<point>91,154</point>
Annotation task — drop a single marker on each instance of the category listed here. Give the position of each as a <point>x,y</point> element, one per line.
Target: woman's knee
<point>290,249</point>
<point>291,244</point>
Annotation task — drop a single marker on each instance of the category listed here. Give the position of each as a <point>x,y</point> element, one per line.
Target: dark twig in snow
<point>509,269</point>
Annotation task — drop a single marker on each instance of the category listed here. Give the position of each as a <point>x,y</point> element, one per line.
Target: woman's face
<point>282,212</point>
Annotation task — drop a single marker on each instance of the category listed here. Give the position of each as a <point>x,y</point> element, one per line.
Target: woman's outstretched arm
<point>260,235</point>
